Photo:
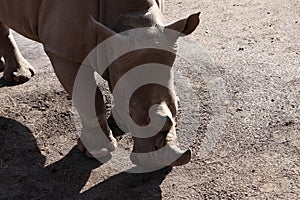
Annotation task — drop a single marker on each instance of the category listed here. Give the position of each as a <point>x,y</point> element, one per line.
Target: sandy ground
<point>255,46</point>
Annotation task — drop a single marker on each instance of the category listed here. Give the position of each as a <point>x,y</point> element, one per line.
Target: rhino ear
<point>186,26</point>
<point>101,30</point>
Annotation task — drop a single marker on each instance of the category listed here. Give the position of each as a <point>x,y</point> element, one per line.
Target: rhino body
<point>69,30</point>
<point>63,26</point>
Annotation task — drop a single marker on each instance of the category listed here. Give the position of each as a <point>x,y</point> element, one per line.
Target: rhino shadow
<point>129,186</point>
<point>23,175</point>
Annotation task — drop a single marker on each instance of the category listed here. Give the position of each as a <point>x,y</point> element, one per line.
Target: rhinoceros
<point>69,30</point>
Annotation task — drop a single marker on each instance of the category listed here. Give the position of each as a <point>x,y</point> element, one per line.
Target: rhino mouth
<point>158,151</point>
<point>147,145</point>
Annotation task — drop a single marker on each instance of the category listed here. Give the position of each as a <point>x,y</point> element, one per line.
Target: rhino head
<point>149,112</point>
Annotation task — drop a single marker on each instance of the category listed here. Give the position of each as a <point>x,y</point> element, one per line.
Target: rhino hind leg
<point>16,68</point>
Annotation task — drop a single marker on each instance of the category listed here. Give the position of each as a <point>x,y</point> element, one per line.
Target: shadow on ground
<point>23,175</point>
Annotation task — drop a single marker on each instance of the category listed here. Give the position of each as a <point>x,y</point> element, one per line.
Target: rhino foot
<point>101,154</point>
<point>20,74</point>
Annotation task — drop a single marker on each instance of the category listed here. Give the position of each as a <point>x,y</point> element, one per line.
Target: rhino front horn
<point>183,159</point>
<point>169,155</point>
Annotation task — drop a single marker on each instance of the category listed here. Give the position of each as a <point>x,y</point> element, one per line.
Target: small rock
<point>289,123</point>
<point>268,187</point>
<point>279,138</point>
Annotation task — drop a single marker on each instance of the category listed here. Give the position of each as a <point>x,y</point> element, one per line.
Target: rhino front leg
<point>16,68</point>
<point>91,141</point>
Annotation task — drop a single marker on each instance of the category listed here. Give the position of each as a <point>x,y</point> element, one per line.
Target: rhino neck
<point>122,15</point>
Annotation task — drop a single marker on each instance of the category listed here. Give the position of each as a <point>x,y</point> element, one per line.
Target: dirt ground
<point>255,46</point>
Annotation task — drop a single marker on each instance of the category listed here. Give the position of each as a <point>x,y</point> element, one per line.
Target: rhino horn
<point>169,155</point>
